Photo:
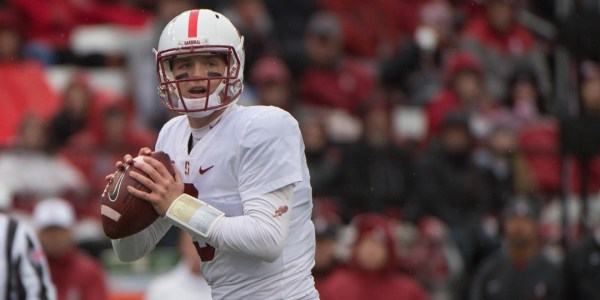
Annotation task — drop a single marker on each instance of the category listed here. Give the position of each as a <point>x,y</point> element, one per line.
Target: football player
<point>242,186</point>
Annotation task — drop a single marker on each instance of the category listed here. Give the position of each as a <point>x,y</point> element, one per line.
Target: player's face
<point>198,66</point>
<point>56,241</point>
<point>501,15</point>
<point>371,253</point>
<point>324,253</point>
<point>520,231</point>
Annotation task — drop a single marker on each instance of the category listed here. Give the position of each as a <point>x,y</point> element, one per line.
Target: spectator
<point>373,30</point>
<point>451,187</point>
<point>272,82</point>
<point>576,136</point>
<point>502,45</point>
<point>581,134</point>
<point>371,273</point>
<point>114,131</point>
<point>378,175</point>
<point>462,87</point>
<point>504,165</point>
<point>141,68</point>
<point>185,281</point>
<point>581,267</point>
<point>332,80</point>
<point>537,131</point>
<point>416,69</point>
<point>525,100</point>
<point>519,270</point>
<point>25,87</point>
<point>75,275</point>
<point>25,274</point>
<point>31,173</point>
<point>576,28</point>
<point>48,26</point>
<point>541,150</point>
<point>463,91</point>
<point>428,253</point>
<point>254,23</point>
<point>75,112</point>
<point>327,226</point>
<point>10,36</point>
<point>545,9</point>
<point>322,157</point>
<point>467,9</point>
<point>590,88</point>
<point>289,23</point>
<point>32,135</point>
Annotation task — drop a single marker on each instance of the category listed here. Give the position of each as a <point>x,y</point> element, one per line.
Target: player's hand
<point>164,188</point>
<point>127,159</point>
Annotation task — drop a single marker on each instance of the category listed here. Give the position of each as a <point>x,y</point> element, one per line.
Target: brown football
<point>122,213</point>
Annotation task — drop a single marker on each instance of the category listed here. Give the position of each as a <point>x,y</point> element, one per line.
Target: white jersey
<point>249,152</point>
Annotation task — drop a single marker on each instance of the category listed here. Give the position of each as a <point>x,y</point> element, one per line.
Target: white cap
<point>53,212</point>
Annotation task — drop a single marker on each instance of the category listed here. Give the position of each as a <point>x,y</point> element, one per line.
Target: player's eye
<point>182,65</point>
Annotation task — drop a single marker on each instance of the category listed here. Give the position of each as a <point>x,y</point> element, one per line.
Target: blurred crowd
<point>453,145</point>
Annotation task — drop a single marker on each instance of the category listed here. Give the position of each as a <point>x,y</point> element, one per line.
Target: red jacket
<point>77,276</point>
<point>371,27</point>
<point>516,41</point>
<point>386,283</point>
<point>447,99</point>
<point>346,86</point>
<point>352,284</point>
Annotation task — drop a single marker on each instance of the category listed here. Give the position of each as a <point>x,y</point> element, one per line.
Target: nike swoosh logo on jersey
<point>202,171</point>
<point>115,193</point>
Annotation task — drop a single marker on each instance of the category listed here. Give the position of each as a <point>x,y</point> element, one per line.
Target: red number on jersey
<point>206,253</point>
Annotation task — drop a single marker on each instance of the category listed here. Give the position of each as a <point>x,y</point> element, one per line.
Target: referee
<point>24,272</point>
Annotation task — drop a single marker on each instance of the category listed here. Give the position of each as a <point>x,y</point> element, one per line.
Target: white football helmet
<point>200,32</point>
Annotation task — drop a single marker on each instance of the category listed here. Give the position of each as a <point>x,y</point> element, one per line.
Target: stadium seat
<point>104,39</point>
<point>25,90</point>
<point>108,80</point>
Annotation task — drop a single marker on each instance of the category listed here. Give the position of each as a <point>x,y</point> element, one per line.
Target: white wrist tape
<point>194,214</point>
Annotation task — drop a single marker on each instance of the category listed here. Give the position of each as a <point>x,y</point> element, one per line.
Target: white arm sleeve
<point>263,229</point>
<point>138,245</point>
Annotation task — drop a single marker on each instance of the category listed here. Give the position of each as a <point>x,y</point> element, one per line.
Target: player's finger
<point>147,182</point>
<point>139,194</point>
<point>148,168</point>
<point>109,177</point>
<point>145,151</point>
<point>177,177</point>
<point>127,159</point>
<point>160,168</point>
<point>147,197</point>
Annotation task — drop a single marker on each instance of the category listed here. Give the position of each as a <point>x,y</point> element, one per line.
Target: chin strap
<point>199,103</point>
